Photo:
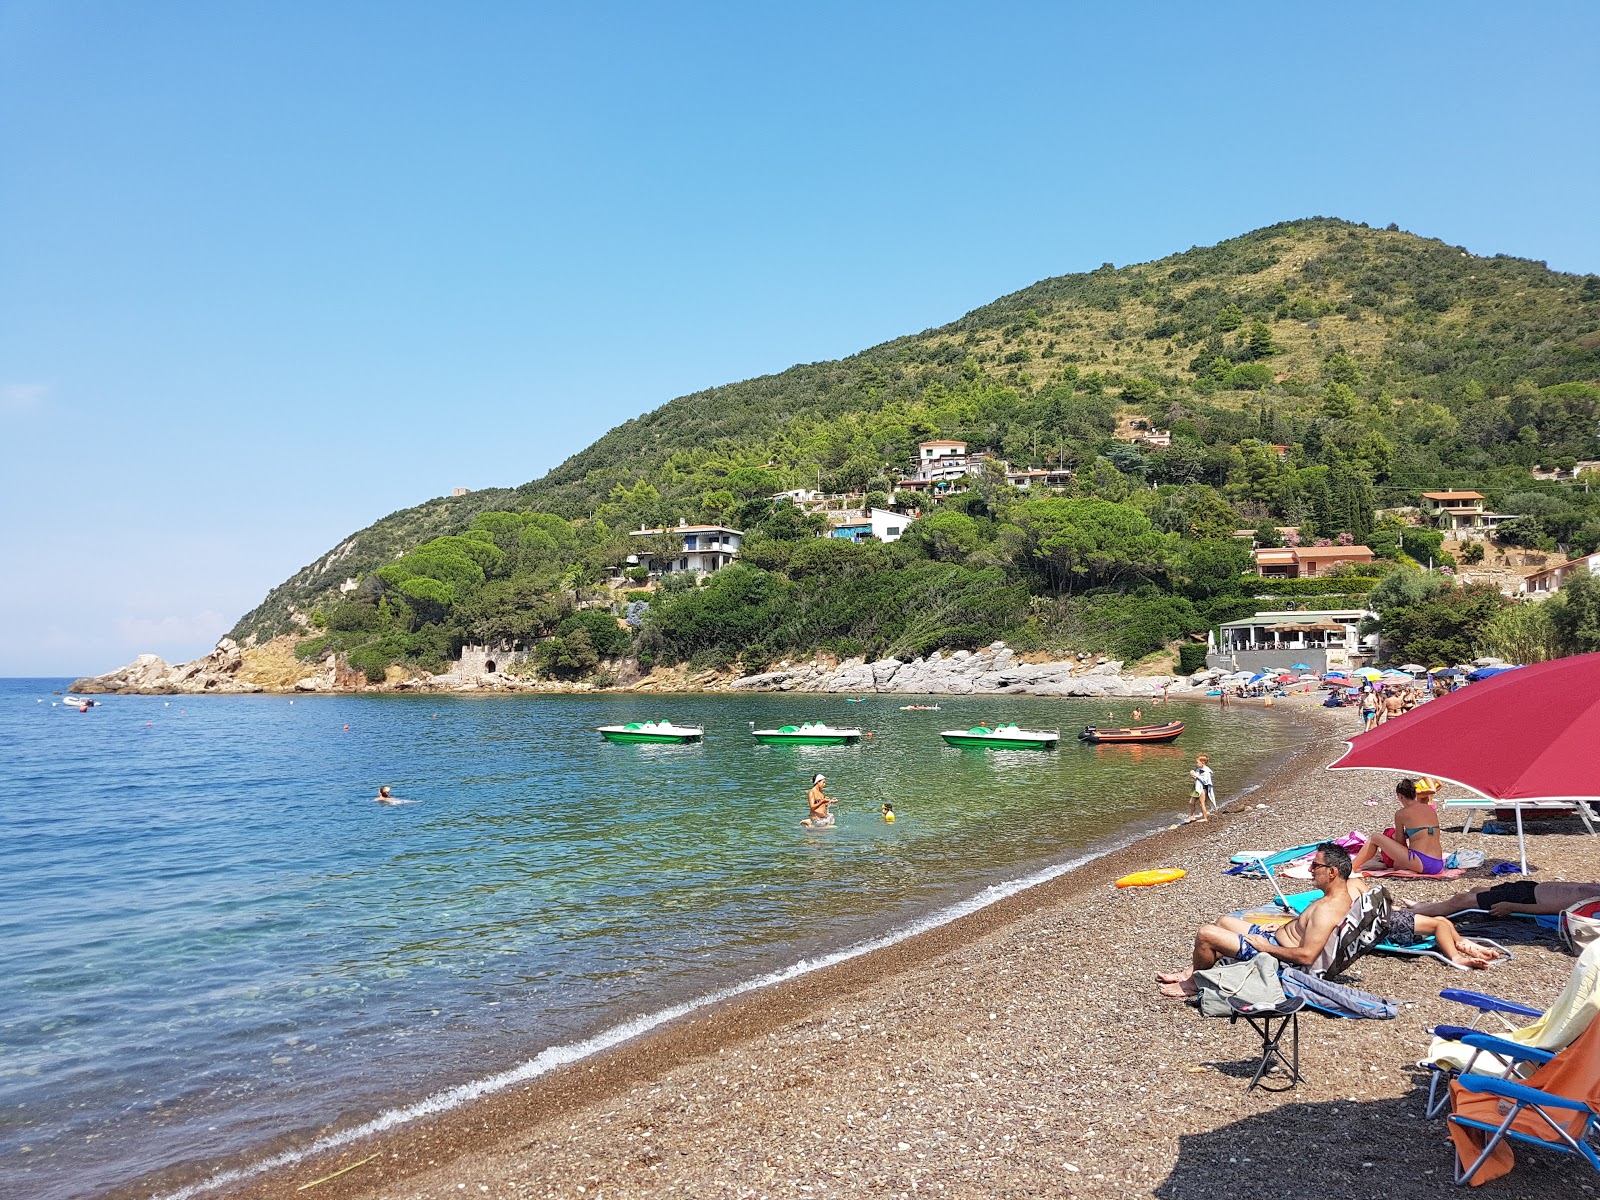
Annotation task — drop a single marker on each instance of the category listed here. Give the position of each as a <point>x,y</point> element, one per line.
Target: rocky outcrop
<point>993,671</point>
<point>151,675</point>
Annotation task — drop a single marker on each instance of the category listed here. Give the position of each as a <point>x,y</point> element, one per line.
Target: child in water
<point>1203,790</point>
<point>888,812</point>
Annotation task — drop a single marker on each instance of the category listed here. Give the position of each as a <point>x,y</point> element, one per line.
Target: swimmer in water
<point>821,815</point>
<point>386,796</point>
<point>888,812</point>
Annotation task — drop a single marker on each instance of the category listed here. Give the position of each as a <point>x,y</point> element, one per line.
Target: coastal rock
<point>151,675</point>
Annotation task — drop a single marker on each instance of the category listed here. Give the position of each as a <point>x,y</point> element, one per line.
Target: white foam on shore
<point>558,1056</point>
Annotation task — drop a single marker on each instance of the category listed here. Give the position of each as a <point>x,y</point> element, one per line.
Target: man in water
<point>821,817</point>
<point>1302,942</point>
<point>1518,896</point>
<point>386,796</point>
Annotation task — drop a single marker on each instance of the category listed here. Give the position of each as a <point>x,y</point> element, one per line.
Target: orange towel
<point>1573,1074</point>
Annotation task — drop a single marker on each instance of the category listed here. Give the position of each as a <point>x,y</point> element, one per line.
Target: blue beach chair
<point>1567,1124</point>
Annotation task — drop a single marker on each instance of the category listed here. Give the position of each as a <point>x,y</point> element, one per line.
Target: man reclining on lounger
<point>1519,896</point>
<point>1301,942</point>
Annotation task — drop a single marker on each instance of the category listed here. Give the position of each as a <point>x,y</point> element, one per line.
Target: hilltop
<point>1311,374</point>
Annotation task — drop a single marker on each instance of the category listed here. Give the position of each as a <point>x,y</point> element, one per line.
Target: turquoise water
<point>216,942</point>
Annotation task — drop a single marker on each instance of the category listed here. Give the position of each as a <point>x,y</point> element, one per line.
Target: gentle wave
<point>559,1056</point>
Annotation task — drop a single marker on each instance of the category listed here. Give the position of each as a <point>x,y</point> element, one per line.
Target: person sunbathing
<point>1518,896</point>
<point>1412,844</point>
<point>1301,942</point>
<point>1407,927</point>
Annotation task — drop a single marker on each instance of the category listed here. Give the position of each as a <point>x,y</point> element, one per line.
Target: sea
<point>221,953</point>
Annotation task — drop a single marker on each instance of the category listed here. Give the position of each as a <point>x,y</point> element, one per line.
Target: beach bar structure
<point>1323,641</point>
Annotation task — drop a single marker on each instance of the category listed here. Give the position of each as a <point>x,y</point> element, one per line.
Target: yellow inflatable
<point>1148,878</point>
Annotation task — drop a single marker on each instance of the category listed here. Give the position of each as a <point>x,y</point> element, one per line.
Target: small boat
<point>812,733</point>
<point>652,731</point>
<point>919,708</point>
<point>1004,737</point>
<point>1144,735</point>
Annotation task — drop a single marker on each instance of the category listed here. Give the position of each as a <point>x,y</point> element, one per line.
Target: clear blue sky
<point>271,271</point>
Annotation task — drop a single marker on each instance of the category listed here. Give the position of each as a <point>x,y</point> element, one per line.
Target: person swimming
<point>386,796</point>
<point>888,812</point>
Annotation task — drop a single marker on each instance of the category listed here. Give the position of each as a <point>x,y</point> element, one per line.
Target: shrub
<point>1191,658</point>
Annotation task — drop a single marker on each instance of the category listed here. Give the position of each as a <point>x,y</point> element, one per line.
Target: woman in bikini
<point>1413,843</point>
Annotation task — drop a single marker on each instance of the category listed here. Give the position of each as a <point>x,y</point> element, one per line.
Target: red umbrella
<point>1528,734</point>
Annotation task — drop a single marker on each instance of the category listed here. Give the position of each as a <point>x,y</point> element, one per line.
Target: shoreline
<point>496,1144</point>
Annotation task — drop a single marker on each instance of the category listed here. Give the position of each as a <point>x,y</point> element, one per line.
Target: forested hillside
<point>1311,374</point>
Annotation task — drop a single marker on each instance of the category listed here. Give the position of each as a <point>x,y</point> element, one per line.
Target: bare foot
<point>1179,991</point>
<point>1174,976</point>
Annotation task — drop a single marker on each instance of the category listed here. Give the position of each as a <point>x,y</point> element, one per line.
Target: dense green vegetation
<point>1311,374</point>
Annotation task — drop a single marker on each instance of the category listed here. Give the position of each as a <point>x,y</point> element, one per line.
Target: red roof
<point>1333,552</point>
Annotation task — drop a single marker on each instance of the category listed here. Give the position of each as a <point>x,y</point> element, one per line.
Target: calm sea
<point>216,944</point>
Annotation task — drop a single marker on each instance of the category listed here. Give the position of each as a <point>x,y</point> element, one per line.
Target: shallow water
<point>216,941</point>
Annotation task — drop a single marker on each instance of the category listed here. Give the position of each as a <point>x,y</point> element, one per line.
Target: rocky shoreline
<point>995,670</point>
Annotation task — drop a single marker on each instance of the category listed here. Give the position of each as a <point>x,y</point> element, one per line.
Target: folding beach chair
<point>1548,1032</point>
<point>1557,1107</point>
<point>1500,1062</point>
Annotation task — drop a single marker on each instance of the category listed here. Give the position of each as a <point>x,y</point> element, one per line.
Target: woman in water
<point>1413,843</point>
<point>821,817</point>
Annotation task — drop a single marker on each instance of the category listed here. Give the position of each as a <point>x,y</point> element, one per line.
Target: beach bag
<point>1461,859</point>
<point>1252,983</point>
<point>1580,925</point>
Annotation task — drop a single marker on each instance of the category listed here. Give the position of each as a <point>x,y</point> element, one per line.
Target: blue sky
<point>271,271</point>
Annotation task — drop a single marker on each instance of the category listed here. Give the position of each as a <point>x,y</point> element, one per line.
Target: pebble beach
<point>1021,1050</point>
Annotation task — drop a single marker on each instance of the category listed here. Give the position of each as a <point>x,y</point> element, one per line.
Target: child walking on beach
<point>1203,791</point>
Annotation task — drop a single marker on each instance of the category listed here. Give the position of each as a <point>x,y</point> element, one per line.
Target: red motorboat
<point>1143,735</point>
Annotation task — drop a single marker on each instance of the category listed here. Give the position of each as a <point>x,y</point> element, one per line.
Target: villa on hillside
<point>1460,513</point>
<point>866,525</point>
<point>705,548</point>
<point>1307,562</point>
<point>1323,641</point>
<point>1545,582</point>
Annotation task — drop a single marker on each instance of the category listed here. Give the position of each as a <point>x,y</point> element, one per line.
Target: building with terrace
<point>702,548</point>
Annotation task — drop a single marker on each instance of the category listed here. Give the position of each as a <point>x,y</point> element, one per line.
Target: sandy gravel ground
<point>1022,1051</point>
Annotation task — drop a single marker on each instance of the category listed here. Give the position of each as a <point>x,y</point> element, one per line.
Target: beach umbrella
<point>1310,678</point>
<point>1487,673</point>
<point>1414,668</point>
<point>1368,673</point>
<point>1397,676</point>
<point>1301,667</point>
<point>1525,734</point>
<point>1338,675</point>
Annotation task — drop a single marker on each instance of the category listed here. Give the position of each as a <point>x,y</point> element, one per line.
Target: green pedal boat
<point>812,733</point>
<point>652,731</point>
<point>1003,737</point>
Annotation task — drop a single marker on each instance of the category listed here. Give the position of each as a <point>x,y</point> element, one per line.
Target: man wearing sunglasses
<point>1302,942</point>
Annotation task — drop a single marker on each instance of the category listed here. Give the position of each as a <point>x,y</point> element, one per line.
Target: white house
<point>1548,581</point>
<point>705,548</point>
<point>877,523</point>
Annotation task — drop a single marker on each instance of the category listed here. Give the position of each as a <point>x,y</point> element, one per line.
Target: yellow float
<point>1152,877</point>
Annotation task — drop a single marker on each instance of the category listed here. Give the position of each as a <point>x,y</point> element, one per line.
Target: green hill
<point>1384,362</point>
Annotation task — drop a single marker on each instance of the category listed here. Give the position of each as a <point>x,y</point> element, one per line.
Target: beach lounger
<point>1423,947</point>
<point>1472,804</point>
<point>1557,1108</point>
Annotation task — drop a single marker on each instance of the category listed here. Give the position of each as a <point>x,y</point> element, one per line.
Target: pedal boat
<point>652,731</point>
<point>1140,735</point>
<point>812,733</point>
<point>1002,737</point>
